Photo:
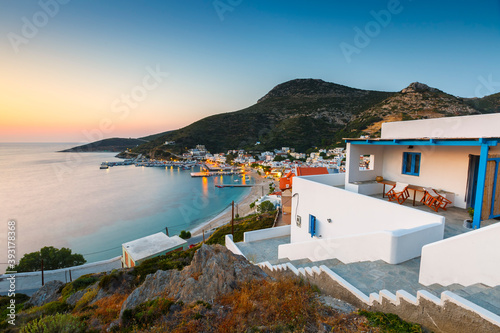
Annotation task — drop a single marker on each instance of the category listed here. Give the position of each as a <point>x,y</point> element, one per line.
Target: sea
<point>65,200</point>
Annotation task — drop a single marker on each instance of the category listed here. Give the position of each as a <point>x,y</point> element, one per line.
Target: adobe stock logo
<point>372,29</point>
<point>223,6</point>
<point>31,27</point>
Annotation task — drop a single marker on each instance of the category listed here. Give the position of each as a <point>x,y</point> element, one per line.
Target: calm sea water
<point>64,199</point>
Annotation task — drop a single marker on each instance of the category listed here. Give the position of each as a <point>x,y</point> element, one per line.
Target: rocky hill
<point>300,113</point>
<point>417,101</point>
<point>305,113</point>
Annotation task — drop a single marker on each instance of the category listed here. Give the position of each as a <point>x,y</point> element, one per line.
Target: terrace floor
<point>377,275</point>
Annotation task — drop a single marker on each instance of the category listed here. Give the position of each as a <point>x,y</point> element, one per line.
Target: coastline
<point>243,206</point>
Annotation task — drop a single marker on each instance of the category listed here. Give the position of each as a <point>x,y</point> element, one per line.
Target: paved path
<point>28,283</point>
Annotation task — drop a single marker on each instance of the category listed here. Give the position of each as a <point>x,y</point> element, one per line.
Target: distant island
<point>106,145</point>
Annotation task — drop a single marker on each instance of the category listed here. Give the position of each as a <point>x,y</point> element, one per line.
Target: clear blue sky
<point>65,78</point>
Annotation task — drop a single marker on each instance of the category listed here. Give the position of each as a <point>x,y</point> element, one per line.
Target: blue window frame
<point>312,225</point>
<point>411,164</point>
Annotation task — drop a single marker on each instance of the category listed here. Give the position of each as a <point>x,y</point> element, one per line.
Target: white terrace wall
<point>444,168</point>
<point>352,162</point>
<point>393,247</point>
<point>479,126</point>
<point>473,257</point>
<point>354,214</point>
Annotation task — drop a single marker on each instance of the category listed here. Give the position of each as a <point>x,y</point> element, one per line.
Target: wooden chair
<point>398,192</point>
<point>434,200</point>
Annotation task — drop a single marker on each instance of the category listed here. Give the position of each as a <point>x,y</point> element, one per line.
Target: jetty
<point>234,185</point>
<point>214,173</point>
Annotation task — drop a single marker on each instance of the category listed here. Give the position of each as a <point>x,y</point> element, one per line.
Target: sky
<point>80,71</point>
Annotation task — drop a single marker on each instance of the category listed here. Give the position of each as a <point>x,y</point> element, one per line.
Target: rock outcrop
<point>50,292</point>
<point>214,271</point>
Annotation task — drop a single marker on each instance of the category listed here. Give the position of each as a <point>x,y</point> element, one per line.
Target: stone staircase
<point>373,276</point>
<point>444,309</point>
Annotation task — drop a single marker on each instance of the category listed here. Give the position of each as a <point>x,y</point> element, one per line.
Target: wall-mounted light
<point>410,147</point>
<point>329,220</point>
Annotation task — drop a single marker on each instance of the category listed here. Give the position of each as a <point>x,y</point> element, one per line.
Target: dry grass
<point>108,308</point>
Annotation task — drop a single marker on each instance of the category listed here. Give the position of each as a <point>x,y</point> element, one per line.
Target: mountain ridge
<point>305,113</point>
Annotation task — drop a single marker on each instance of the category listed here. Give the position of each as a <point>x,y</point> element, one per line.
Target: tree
<point>52,259</point>
<point>185,234</point>
<point>265,207</point>
<point>229,158</point>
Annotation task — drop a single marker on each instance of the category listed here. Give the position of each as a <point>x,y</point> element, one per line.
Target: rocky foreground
<point>217,292</point>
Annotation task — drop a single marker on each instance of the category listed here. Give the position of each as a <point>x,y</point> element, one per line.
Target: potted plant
<point>468,222</point>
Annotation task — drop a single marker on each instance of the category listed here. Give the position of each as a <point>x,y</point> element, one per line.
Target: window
<point>366,162</point>
<point>411,164</point>
<point>312,225</point>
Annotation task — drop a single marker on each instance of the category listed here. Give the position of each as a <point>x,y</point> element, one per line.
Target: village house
<point>336,215</point>
<point>136,251</point>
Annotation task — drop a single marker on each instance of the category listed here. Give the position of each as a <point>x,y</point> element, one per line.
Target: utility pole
<point>203,235</point>
<point>166,231</point>
<point>70,279</point>
<point>232,218</point>
<point>42,273</point>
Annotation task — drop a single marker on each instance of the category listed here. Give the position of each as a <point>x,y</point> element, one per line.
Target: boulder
<point>213,272</point>
<point>49,292</point>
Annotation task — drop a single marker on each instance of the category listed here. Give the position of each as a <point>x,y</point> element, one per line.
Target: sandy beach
<point>243,205</point>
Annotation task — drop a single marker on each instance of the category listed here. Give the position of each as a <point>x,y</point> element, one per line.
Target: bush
<point>81,283</point>
<point>146,313</point>
<point>266,207</point>
<point>174,260</point>
<point>58,323</point>
<point>248,223</point>
<point>185,234</point>
<point>390,322</point>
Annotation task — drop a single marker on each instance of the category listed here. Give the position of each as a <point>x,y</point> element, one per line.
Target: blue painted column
<point>481,181</point>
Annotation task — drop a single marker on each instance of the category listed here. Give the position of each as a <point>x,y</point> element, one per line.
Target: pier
<point>214,173</point>
<point>234,185</point>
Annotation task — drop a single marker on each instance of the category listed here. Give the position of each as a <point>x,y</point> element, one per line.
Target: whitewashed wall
<point>231,246</point>
<point>353,214</point>
<point>350,213</point>
<point>352,162</point>
<point>257,235</point>
<point>443,168</point>
<point>473,257</point>
<point>478,126</point>
<point>393,247</point>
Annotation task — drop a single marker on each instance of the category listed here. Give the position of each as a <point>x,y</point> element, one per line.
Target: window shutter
<point>312,225</point>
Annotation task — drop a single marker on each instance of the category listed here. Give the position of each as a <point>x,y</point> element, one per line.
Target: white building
<point>136,251</point>
<point>332,217</point>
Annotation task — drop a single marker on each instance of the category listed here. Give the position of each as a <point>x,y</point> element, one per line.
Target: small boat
<point>104,165</point>
<point>219,186</point>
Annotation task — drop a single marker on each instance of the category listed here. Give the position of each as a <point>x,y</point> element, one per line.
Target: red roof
<point>308,171</point>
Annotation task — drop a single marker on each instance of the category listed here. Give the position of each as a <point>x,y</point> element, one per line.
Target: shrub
<point>81,283</point>
<point>58,323</point>
<point>146,313</point>
<point>185,234</point>
<point>174,260</point>
<point>390,322</point>
<point>265,207</point>
<point>51,308</point>
<point>108,279</point>
<point>86,298</point>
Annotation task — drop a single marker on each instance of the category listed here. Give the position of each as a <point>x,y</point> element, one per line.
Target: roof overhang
<point>469,142</point>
